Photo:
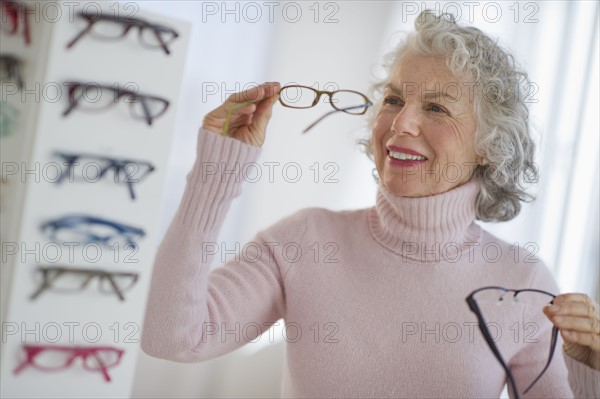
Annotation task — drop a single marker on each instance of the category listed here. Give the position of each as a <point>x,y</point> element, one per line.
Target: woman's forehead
<point>426,76</point>
<point>419,68</point>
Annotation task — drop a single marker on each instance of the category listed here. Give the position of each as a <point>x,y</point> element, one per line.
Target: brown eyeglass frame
<point>319,93</point>
<point>52,273</point>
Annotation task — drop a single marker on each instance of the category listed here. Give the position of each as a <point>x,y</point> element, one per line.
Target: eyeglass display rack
<point>31,198</point>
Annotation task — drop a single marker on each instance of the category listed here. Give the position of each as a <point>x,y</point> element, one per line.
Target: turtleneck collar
<point>427,229</point>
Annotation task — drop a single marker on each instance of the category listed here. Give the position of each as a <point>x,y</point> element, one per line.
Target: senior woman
<point>387,316</point>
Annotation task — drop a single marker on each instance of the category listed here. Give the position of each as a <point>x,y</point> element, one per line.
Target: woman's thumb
<point>264,109</point>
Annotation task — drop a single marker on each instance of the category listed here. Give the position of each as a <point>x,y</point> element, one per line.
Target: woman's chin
<point>406,189</point>
<point>416,188</point>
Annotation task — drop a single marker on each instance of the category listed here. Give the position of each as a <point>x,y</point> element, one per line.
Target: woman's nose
<point>407,121</point>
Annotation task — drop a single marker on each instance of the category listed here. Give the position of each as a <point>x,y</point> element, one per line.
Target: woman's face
<point>424,133</point>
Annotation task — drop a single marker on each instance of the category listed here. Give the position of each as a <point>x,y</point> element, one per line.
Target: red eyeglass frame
<point>15,11</point>
<point>76,351</point>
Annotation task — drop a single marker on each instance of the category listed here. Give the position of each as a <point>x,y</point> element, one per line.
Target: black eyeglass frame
<point>128,23</point>
<point>119,92</point>
<point>12,65</point>
<point>118,165</point>
<point>490,341</point>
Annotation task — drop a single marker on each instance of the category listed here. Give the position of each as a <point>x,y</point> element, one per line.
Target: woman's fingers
<point>574,308</point>
<point>578,318</point>
<point>245,115</point>
<point>575,311</point>
<point>581,324</point>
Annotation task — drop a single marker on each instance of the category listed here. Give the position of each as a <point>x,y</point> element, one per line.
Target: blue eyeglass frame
<point>73,221</point>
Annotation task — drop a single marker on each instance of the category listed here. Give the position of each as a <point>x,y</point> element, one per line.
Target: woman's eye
<point>392,101</point>
<point>437,108</point>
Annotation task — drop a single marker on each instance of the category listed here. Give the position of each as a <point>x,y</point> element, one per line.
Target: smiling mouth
<point>402,156</point>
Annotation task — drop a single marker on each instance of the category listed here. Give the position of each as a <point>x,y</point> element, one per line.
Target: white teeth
<point>406,157</point>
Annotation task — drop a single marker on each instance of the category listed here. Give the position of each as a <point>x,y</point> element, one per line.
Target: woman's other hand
<point>250,113</point>
<point>578,318</point>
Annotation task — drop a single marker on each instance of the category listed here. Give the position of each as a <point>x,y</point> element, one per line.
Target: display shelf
<point>37,205</point>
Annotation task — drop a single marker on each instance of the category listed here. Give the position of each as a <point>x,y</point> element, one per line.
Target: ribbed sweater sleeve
<point>185,313</point>
<point>584,381</point>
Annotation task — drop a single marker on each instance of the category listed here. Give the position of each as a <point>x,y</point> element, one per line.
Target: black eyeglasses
<point>111,27</point>
<point>65,279</point>
<point>490,299</point>
<point>10,70</point>
<point>11,14</point>
<point>302,97</point>
<point>95,97</point>
<point>125,171</point>
<point>89,229</point>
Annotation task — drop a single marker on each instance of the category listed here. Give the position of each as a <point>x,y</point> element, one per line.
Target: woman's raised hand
<point>250,112</point>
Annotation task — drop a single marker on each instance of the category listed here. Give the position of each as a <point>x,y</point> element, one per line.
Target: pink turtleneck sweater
<point>378,311</point>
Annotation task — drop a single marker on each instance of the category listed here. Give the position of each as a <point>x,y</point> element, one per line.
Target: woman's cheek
<point>382,125</point>
<point>378,134</point>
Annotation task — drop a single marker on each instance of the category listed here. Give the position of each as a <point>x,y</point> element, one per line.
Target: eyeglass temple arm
<point>114,285</point>
<point>102,367</point>
<point>26,32</point>
<point>146,110</point>
<point>17,74</point>
<point>481,322</point>
<point>552,347</point>
<point>46,284</point>
<point>28,360</point>
<point>332,112</point>
<point>162,42</point>
<point>80,34</point>
<point>72,100</point>
<point>120,168</point>
<point>22,365</point>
